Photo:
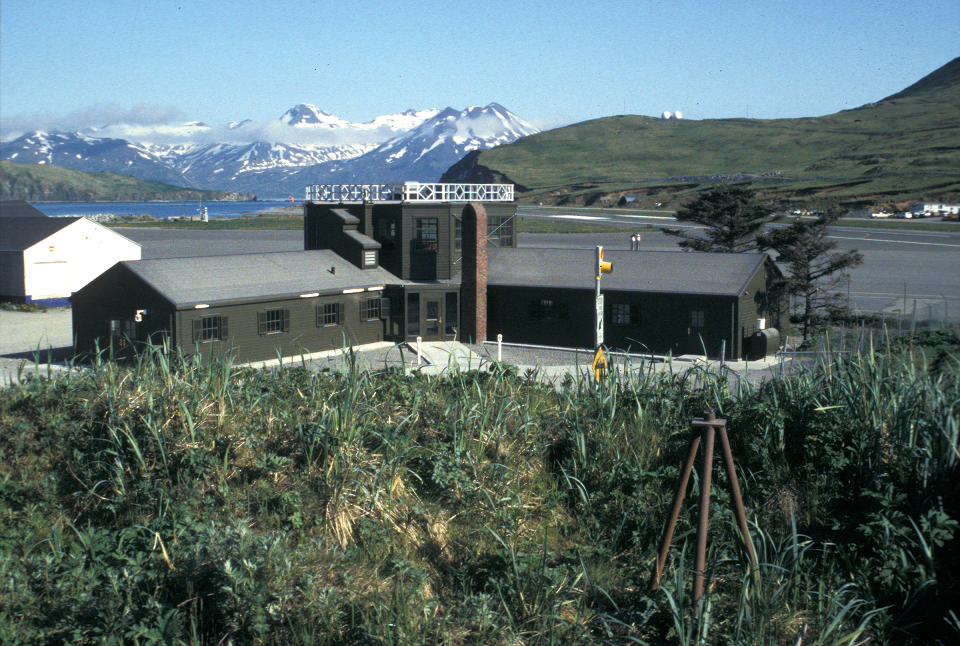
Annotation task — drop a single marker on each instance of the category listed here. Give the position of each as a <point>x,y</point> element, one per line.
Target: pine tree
<point>732,217</point>
<point>816,271</point>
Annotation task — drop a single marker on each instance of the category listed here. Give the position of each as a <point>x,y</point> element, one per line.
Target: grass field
<point>168,502</point>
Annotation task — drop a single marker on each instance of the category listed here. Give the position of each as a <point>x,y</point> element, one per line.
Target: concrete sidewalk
<point>41,342</point>
<point>557,364</point>
<point>34,342</point>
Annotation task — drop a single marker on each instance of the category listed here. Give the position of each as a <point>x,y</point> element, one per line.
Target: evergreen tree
<point>816,271</point>
<point>732,216</point>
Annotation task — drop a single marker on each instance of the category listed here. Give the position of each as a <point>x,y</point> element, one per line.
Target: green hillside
<point>48,183</point>
<point>902,148</point>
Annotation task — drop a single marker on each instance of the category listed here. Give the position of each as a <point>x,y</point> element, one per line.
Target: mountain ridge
<point>249,157</point>
<point>903,148</point>
<point>50,183</point>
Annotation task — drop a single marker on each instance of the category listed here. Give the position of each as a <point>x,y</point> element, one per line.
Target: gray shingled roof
<point>248,277</point>
<point>17,234</point>
<point>19,209</point>
<point>637,271</point>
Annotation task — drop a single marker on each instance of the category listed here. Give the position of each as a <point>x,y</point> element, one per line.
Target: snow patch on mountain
<point>305,115</point>
<point>304,146</point>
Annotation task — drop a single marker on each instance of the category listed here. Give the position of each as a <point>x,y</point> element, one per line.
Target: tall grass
<point>169,500</point>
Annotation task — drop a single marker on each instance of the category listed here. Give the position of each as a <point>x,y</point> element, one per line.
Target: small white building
<point>919,209</point>
<point>44,260</point>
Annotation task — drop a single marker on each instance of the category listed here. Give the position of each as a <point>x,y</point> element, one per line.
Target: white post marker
<point>419,356</point>
<point>598,336</point>
<point>499,348</point>
<point>600,268</point>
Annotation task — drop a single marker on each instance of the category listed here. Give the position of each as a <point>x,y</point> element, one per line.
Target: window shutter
<point>197,327</point>
<point>384,308</point>
<point>363,310</point>
<point>318,314</point>
<point>224,328</point>
<point>340,310</point>
<point>286,320</point>
<point>261,323</point>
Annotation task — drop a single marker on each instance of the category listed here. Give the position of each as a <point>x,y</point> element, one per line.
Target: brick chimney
<point>473,289</point>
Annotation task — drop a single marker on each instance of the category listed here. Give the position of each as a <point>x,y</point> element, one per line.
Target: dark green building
<point>421,243</point>
<point>436,262</point>
<point>654,301</point>
<point>253,307</point>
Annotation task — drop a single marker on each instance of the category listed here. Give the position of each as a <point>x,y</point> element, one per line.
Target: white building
<point>44,260</point>
<point>935,208</point>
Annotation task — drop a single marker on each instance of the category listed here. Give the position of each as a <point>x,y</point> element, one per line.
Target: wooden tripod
<point>705,429</point>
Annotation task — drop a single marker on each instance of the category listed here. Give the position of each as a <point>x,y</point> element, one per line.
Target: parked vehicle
<point>881,214</point>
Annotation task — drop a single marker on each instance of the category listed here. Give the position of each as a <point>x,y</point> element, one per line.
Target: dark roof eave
<point>273,298</point>
<point>628,290</point>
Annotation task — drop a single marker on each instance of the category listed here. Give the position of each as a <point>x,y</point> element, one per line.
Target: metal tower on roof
<point>409,192</point>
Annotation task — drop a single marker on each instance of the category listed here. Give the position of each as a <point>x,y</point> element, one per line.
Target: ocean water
<point>162,210</point>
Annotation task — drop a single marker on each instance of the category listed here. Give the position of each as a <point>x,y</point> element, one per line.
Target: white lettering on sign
<point>600,319</point>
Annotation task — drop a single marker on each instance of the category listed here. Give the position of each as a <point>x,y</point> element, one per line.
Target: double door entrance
<point>432,316</point>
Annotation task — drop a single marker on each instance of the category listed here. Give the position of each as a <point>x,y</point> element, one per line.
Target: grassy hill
<point>48,183</point>
<point>905,147</point>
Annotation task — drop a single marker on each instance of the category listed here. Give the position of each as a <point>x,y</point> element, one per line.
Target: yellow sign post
<point>599,364</point>
<point>600,360</point>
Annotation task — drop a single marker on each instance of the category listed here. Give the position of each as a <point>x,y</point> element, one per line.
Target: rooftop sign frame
<point>409,192</point>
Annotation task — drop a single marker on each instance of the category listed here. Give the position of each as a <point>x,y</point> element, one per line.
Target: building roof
<point>19,209</point>
<point>186,282</point>
<point>675,272</point>
<point>20,233</point>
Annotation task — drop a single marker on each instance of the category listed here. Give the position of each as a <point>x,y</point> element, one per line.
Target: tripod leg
<point>674,513</point>
<point>737,499</point>
<point>704,519</point>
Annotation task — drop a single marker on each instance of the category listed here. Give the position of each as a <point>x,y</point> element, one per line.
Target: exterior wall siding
<point>70,258</point>
<point>118,294</point>
<point>512,312</point>
<point>399,257</point>
<point>11,275</point>
<point>246,344</point>
<point>659,323</point>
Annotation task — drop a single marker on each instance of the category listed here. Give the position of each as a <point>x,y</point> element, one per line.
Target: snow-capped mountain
<point>425,152</point>
<point>255,166</point>
<point>92,154</point>
<point>304,146</point>
<point>306,115</point>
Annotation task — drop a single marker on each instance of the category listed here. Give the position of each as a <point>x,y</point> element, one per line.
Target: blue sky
<point>68,64</point>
